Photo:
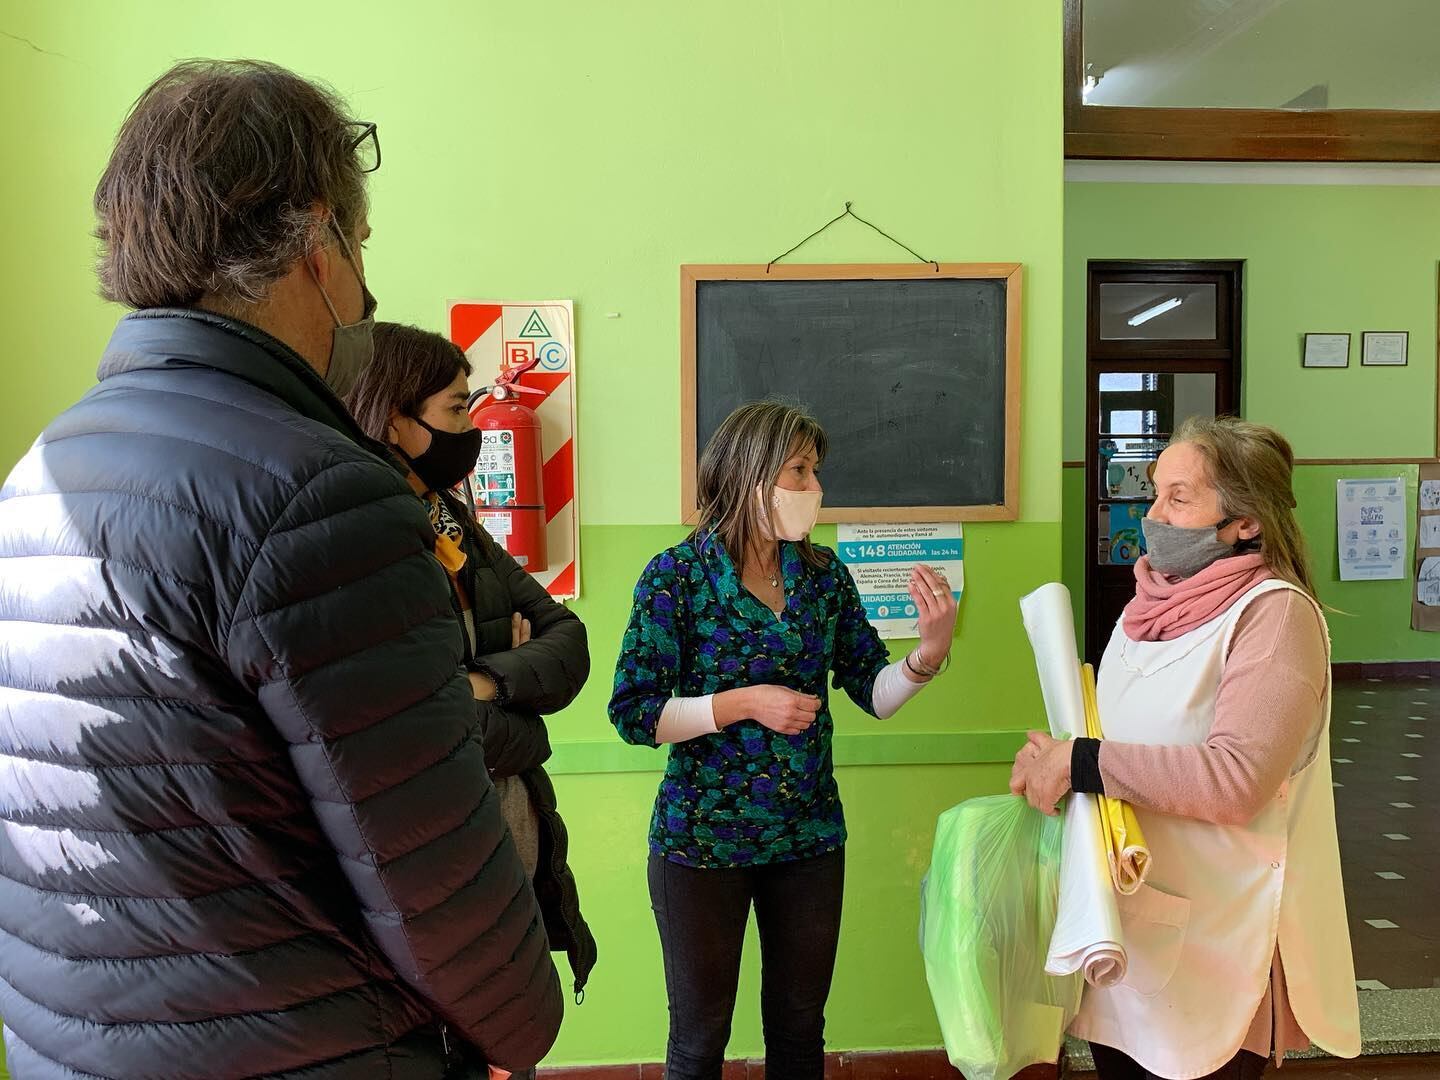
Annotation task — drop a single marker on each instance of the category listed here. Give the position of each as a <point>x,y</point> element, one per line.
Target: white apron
<point>1201,933</point>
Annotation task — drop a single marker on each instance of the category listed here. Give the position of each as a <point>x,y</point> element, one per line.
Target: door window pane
<point>1162,400</point>
<point>1157,312</point>
<point>1121,380</point>
<point>1131,421</point>
<point>1138,413</point>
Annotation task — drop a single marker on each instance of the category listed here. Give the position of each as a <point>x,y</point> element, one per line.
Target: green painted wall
<point>1371,620</point>
<point>583,150</point>
<point>1317,258</point>
<point>1072,543</point>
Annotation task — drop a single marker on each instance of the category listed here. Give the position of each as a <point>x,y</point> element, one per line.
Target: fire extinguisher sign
<point>495,471</point>
<point>539,337</point>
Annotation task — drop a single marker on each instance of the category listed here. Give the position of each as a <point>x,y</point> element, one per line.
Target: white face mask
<point>794,513</point>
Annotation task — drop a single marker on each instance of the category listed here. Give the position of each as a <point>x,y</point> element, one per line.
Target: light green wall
<point>1371,619</point>
<point>1072,544</point>
<point>586,150</point>
<point>583,153</point>
<point>1317,258</point>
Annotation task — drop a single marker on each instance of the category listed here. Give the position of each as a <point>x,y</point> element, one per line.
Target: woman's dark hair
<point>410,365</point>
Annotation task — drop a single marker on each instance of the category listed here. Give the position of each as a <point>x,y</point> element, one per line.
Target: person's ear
<point>322,251</point>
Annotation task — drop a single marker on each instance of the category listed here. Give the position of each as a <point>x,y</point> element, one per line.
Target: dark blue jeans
<point>702,915</point>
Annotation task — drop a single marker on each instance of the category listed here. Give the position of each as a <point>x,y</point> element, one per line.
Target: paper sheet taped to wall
<point>1425,604</point>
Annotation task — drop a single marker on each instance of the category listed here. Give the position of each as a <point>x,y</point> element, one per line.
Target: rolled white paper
<point>1087,923</point>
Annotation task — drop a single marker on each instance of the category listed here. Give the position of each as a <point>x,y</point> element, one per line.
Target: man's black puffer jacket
<point>246,826</point>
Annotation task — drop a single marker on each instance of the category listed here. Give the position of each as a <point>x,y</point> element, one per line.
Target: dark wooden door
<point>1162,344</point>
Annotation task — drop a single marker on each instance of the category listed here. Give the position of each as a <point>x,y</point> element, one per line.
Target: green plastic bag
<point>987,910</point>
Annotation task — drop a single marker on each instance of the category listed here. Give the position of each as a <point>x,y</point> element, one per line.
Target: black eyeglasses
<point>366,145</point>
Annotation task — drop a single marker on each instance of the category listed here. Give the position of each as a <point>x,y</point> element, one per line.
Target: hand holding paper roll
<point>1042,772</point>
<point>1042,775</point>
<point>1087,925</point>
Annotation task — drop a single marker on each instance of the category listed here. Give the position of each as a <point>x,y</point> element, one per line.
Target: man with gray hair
<point>246,827</point>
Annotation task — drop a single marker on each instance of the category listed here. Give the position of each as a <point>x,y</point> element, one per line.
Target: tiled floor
<point>1385,752</point>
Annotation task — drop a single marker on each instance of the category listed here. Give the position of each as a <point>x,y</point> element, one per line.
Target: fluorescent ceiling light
<point>1151,312</point>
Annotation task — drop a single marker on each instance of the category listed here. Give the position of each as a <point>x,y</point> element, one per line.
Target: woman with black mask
<point>526,653</point>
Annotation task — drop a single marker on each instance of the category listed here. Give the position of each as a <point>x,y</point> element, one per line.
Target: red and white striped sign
<point>496,334</point>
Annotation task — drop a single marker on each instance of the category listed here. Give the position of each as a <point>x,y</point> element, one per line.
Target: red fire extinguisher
<point>508,485</point>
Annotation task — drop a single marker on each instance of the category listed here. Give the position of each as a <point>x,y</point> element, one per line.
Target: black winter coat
<point>246,825</point>
<point>541,676</point>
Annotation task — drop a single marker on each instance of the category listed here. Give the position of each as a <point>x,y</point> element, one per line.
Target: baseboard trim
<point>1386,1067</point>
<point>848,1065</point>
<point>1388,669</point>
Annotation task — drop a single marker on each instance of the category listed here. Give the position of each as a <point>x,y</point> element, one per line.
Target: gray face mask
<point>352,347</point>
<point>1181,552</point>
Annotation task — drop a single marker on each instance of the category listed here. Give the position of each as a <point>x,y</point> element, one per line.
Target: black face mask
<point>449,459</point>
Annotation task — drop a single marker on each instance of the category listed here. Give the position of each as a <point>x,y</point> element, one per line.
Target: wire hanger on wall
<point>847,212</point>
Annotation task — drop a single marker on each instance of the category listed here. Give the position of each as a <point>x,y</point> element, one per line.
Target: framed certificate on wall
<point>1326,351</point>
<point>1384,348</point>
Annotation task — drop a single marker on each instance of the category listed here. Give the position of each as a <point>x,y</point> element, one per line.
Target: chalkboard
<point>913,372</point>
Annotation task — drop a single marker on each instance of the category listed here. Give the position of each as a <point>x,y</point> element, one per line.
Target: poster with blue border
<point>881,558</point>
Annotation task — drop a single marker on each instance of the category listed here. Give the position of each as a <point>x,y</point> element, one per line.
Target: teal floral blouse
<point>746,795</point>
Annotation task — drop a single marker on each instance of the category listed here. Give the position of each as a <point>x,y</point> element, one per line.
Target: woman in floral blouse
<point>725,660</point>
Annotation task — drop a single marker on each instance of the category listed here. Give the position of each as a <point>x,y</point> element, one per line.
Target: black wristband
<point>1085,767</point>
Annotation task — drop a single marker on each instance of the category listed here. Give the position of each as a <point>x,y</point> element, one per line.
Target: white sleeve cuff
<point>892,689</point>
<point>686,718</point>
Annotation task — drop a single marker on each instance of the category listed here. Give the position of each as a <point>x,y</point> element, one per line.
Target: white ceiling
<point>1264,53</point>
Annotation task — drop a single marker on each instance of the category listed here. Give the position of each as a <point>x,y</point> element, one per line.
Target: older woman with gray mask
<point>732,639</point>
<point>1214,698</point>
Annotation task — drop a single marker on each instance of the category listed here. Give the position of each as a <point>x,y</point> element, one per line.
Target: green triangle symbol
<point>535,326</point>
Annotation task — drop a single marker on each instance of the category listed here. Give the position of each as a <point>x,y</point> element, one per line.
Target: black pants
<point>1111,1064</point>
<point>702,915</point>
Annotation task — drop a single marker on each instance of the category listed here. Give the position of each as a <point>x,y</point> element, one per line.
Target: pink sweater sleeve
<point>1267,718</point>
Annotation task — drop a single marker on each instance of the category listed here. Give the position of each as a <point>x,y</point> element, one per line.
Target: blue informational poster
<point>881,558</point>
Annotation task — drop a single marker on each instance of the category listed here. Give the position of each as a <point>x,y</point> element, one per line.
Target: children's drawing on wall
<point>1126,476</point>
<point>1430,495</point>
<point>1430,531</point>
<point>1127,484</point>
<point>1428,586</point>
<point>1425,610</point>
<point>1127,540</point>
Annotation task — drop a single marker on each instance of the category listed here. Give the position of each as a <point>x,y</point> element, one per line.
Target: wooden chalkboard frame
<point>692,274</point>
